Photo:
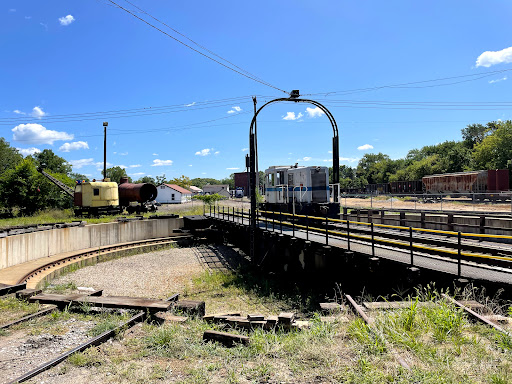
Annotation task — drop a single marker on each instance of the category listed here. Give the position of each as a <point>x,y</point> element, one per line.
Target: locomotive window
<point>278,179</point>
<point>96,191</point>
<point>281,177</point>
<point>290,179</point>
<point>272,179</point>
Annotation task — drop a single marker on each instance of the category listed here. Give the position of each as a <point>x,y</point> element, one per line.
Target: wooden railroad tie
<point>226,339</point>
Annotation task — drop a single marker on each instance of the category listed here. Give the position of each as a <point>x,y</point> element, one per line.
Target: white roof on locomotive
<point>291,167</point>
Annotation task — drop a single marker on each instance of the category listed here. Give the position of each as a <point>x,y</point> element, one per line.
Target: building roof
<point>195,189</point>
<point>179,189</point>
<point>219,187</point>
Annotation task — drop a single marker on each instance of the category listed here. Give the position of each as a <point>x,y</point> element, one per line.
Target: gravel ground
<point>153,275</point>
<point>21,352</point>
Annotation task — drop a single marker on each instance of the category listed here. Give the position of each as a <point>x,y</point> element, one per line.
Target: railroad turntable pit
<point>190,269</point>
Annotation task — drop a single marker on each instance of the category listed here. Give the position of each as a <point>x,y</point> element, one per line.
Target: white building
<point>195,190</point>
<point>172,194</point>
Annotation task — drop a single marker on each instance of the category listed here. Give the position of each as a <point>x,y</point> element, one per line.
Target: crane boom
<point>58,183</point>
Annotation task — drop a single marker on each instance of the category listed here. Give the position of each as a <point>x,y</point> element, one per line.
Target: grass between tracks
<point>437,340</point>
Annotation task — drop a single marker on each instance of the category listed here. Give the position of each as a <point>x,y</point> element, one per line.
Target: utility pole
<point>257,187</point>
<point>105,125</point>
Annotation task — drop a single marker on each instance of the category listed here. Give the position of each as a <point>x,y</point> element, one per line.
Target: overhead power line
<point>229,66</point>
<point>416,84</point>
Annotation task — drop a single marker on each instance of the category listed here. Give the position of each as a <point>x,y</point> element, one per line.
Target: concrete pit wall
<point>19,249</point>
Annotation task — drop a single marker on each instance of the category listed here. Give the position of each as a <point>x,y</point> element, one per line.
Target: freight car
<point>299,190</point>
<point>491,184</point>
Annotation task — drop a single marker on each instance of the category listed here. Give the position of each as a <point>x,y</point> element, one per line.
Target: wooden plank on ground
<point>7,288</point>
<point>227,339</point>
<point>136,303</point>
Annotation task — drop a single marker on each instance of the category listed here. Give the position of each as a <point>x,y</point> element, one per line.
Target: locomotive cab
<point>299,190</point>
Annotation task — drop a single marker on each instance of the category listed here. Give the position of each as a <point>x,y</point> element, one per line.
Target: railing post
<point>273,221</point>
<point>410,246</point>
<point>210,210</point>
<point>348,235</point>
<point>222,212</point>
<point>280,220</point>
<point>459,253</point>
<point>373,241</point>
<point>293,224</point>
<point>326,229</point>
<point>307,227</point>
<point>214,211</point>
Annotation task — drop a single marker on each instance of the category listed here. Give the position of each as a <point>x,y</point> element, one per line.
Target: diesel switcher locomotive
<point>299,190</point>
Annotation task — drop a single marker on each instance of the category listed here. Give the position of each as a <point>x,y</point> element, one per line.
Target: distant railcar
<point>406,187</point>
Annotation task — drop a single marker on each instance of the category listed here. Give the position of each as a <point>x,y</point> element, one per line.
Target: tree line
<point>482,147</point>
<point>24,191</point>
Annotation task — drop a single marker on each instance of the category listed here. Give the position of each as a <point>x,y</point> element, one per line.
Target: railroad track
<point>36,275</point>
<point>370,322</point>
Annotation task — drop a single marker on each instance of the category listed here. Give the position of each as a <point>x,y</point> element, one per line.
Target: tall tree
<point>9,156</point>
<point>146,180</point>
<point>495,150</point>
<point>182,181</point>
<point>116,173</point>
<point>50,161</point>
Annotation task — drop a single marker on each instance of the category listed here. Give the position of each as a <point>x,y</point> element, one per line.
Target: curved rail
<point>90,253</point>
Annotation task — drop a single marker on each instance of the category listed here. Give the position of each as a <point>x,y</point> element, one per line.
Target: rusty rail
<point>90,343</point>
<point>369,322</point>
<point>110,248</point>
<point>476,315</point>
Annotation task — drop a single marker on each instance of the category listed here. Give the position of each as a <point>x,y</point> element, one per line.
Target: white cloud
<point>66,147</point>
<point>155,154</point>
<point>159,163</point>
<point>349,159</point>
<point>314,112</point>
<point>204,152</point>
<point>216,152</point>
<point>498,80</point>
<point>291,116</point>
<point>66,20</point>
<point>203,173</point>
<point>45,26</point>
<point>18,112</point>
<point>37,134</point>
<point>137,174</point>
<point>28,17</point>
<point>122,166</point>
<point>190,165</point>
<point>190,105</point>
<point>489,58</point>
<point>123,153</point>
<point>233,168</point>
<point>81,163</point>
<point>235,109</point>
<point>38,112</point>
<point>245,149</point>
<point>28,151</point>
<point>12,10</point>
<point>329,151</point>
<point>365,147</point>
<point>305,158</point>
<point>134,166</point>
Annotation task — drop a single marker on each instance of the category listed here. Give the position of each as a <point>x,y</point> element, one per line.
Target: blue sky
<point>69,66</point>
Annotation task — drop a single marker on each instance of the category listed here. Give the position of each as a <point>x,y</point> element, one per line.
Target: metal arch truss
<point>253,151</point>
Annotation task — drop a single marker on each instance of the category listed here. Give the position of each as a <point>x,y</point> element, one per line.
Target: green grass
<point>66,215</point>
<point>437,340</point>
<point>12,308</point>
